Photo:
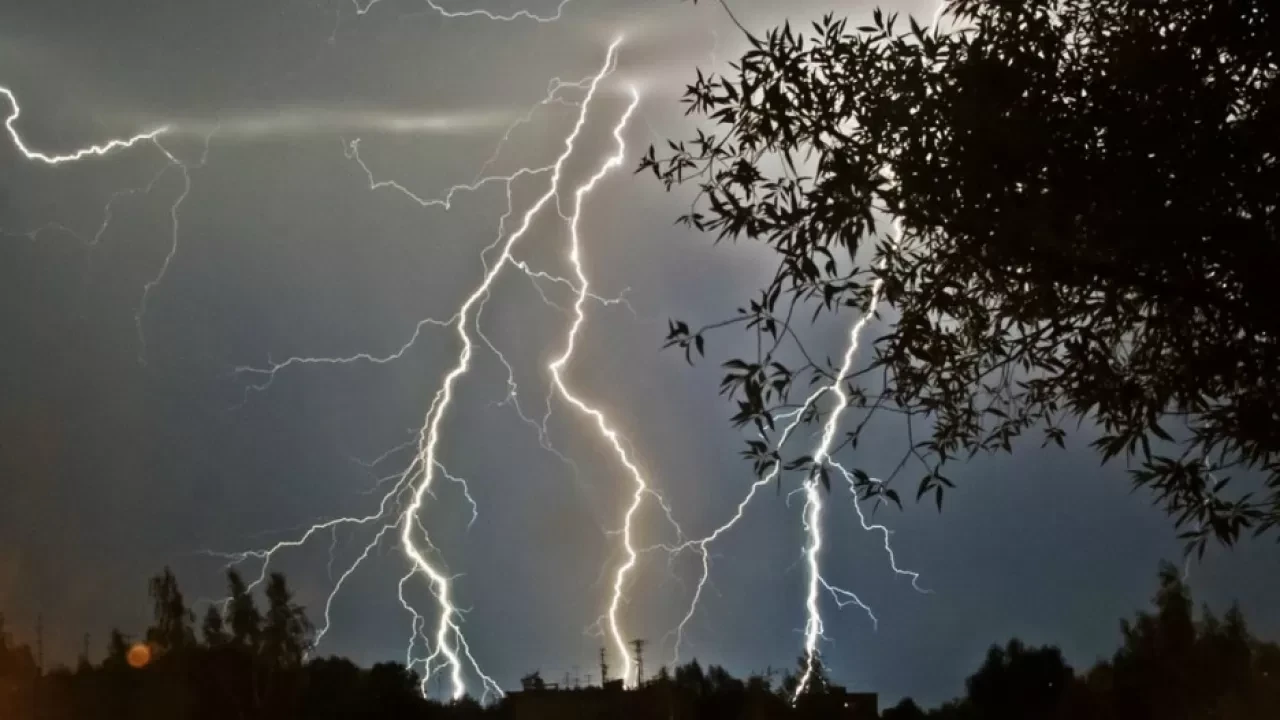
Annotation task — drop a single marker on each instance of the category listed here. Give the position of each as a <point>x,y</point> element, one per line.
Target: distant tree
<point>172,629</point>
<point>334,689</point>
<point>1087,201</point>
<point>286,632</point>
<point>691,679</point>
<point>906,709</point>
<point>117,650</point>
<point>18,672</point>
<point>1152,672</point>
<point>1019,683</point>
<point>819,682</point>
<point>245,620</point>
<point>213,628</point>
<point>720,682</point>
<point>392,690</point>
<point>1172,666</point>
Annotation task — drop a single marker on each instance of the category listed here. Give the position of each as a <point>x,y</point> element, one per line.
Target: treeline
<point>247,663</point>
<point>244,663</point>
<point>1171,665</point>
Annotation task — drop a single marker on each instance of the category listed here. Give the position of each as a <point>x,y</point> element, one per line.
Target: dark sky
<point>111,468</point>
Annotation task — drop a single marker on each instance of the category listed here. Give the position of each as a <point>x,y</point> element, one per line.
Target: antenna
<point>604,669</point>
<point>637,646</point>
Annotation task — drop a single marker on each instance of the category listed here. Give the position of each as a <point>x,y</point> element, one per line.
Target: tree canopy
<point>1171,664</point>
<point>1067,207</point>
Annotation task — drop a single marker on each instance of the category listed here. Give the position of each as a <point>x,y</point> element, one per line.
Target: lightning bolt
<point>557,367</point>
<point>398,515</point>
<point>811,516</point>
<point>401,507</point>
<point>813,499</point>
<point>155,281</point>
<point>812,513</point>
<point>151,136</point>
<point>92,150</point>
<point>487,14</point>
<point>822,458</point>
<point>435,415</point>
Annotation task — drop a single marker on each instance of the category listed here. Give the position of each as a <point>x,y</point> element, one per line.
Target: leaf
<point>893,495</point>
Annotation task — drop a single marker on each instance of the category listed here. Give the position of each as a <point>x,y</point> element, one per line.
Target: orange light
<point>139,655</point>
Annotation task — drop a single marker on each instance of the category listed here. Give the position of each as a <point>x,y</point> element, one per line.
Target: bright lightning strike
<point>400,509</point>
<point>602,423</point>
<point>92,150</point>
<point>435,415</point>
<point>448,648</point>
<point>813,499</point>
<point>476,12</point>
<point>152,136</point>
<point>822,457</point>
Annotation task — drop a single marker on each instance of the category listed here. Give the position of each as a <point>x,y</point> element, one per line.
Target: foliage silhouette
<point>1086,195</point>
<point>1171,664</point>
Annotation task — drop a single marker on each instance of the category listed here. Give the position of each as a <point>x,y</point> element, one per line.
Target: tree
<point>1016,682</point>
<point>172,629</point>
<point>117,650</point>
<point>213,628</point>
<point>819,682</point>
<point>245,620</point>
<point>906,709</point>
<point>18,671</point>
<point>1171,665</point>
<point>286,634</point>
<point>1084,203</point>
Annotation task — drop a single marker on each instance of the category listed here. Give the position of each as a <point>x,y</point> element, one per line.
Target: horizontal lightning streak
<point>476,12</point>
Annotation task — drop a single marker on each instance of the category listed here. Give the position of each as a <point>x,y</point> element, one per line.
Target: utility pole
<point>604,669</point>
<point>637,646</point>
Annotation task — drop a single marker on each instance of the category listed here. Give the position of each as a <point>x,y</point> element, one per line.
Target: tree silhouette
<point>286,634</point>
<point>1086,196</point>
<point>1019,683</point>
<point>117,649</point>
<point>906,709</point>
<point>213,628</point>
<point>172,629</point>
<point>1171,664</point>
<point>819,682</point>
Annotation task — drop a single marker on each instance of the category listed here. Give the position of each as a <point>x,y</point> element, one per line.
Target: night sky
<point>129,443</point>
